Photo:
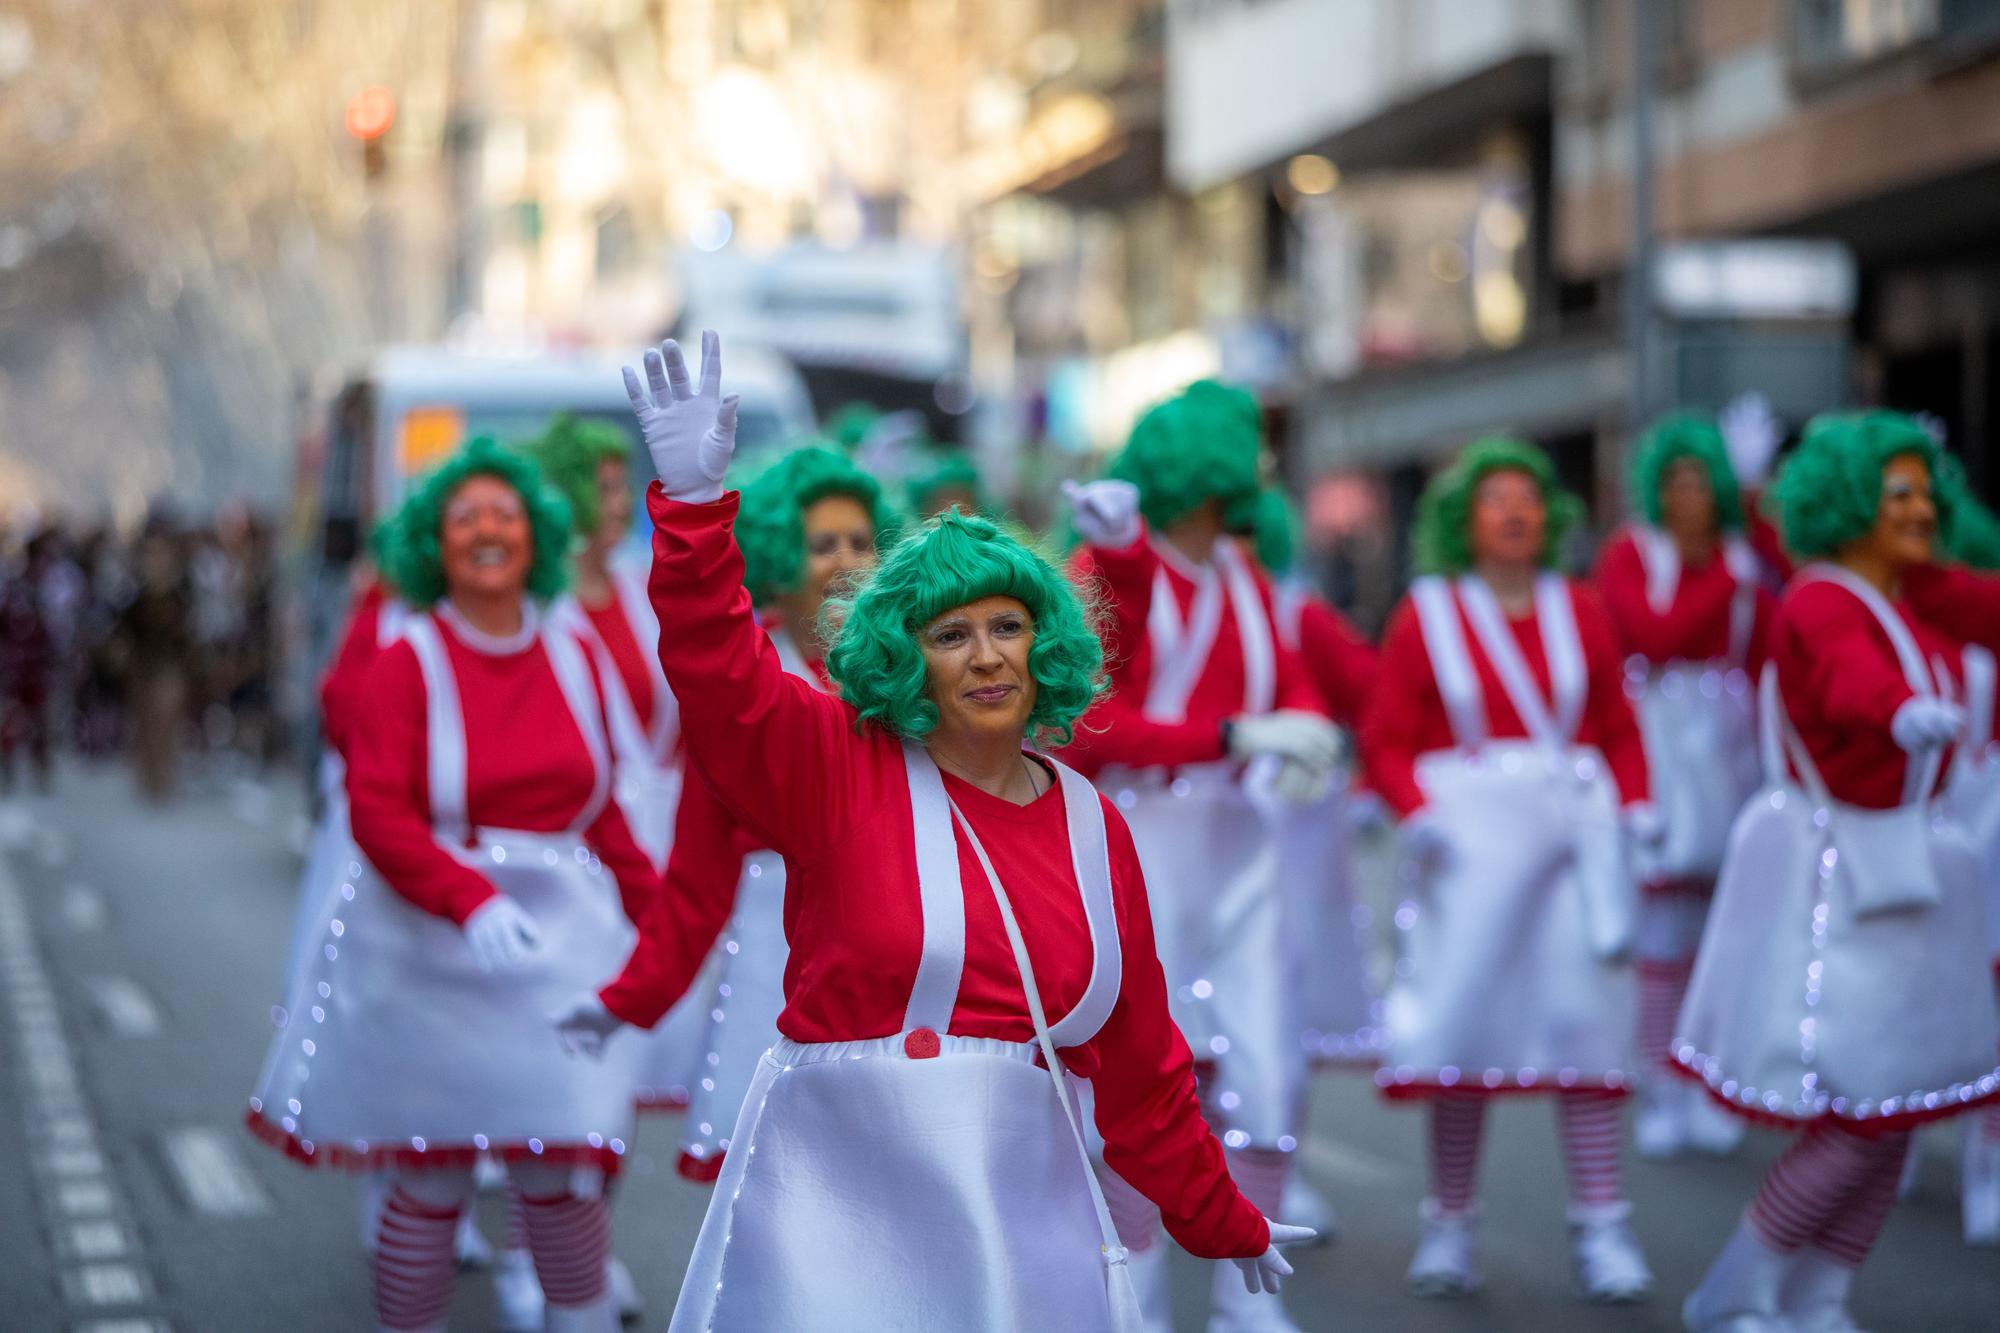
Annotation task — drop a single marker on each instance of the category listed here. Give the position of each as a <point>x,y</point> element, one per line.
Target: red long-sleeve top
<point>1842,684</point>
<point>834,801</point>
<point>1695,626</point>
<point>340,687</point>
<point>1116,730</point>
<point>1338,657</point>
<point>527,768</point>
<point>1963,603</point>
<point>1406,718</point>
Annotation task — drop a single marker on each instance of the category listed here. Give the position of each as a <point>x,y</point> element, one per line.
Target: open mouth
<point>489,556</point>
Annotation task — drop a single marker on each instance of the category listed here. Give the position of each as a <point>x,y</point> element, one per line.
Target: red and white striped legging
<point>1670,923</point>
<point>1832,1189</point>
<point>1586,1125</point>
<point>568,1234</point>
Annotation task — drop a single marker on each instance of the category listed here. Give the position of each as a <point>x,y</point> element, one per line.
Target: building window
<point>1830,34</point>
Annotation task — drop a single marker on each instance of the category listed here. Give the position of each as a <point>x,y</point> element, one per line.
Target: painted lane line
<point>124,1326</point>
<point>97,1240</point>
<point>124,1007</point>
<point>106,1284</point>
<point>85,1198</point>
<point>213,1179</point>
<point>1351,1166</point>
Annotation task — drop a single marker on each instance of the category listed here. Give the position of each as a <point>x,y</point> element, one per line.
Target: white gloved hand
<point>502,935</point>
<point>1924,724</point>
<point>1751,435</point>
<point>1301,784</point>
<point>1264,1272</point>
<point>1423,846</point>
<point>690,432</point>
<point>584,1025</point>
<point>1644,826</point>
<point>1289,734</point>
<point>1107,512</point>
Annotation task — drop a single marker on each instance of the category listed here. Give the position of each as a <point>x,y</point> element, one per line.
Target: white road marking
<point>1351,1165</point>
<point>100,1239</point>
<point>212,1177</point>
<point>124,1007</point>
<point>85,1198</point>
<point>105,1284</point>
<point>123,1326</point>
<point>83,908</point>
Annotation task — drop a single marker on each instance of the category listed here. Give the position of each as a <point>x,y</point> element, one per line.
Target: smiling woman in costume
<point>956,903</point>
<point>1843,984</point>
<point>1501,733</point>
<point>496,865</point>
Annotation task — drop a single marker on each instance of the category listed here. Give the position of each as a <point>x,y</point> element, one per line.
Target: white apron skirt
<point>1214,879</point>
<point>1339,1015</point>
<point>331,860</point>
<point>400,1049</point>
<point>741,1022</point>
<point>1701,751</point>
<point>1512,972</point>
<point>872,1191</point>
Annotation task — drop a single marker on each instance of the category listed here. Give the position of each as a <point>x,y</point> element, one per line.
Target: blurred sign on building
<point>1755,279</point>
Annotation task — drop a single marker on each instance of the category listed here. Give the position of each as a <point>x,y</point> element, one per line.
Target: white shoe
<point>518,1293</point>
<point>1979,1183</point>
<point>470,1244</point>
<point>624,1291</point>
<point>1660,1126</point>
<point>1447,1258</point>
<point>1814,1295</point>
<point>1740,1291</point>
<point>600,1316</point>
<point>1711,1130</point>
<point>1307,1207</point>
<point>1609,1267</point>
<point>1234,1308</point>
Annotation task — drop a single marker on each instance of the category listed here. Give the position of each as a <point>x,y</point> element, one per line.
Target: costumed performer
<point>1501,734</point>
<point>495,881</point>
<point>1212,730</point>
<point>1843,986</point>
<point>956,904</point>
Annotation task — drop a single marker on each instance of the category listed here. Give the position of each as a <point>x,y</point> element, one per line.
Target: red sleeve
<point>1116,731</point>
<point>687,914</point>
<point>389,795</point>
<point>1342,663</point>
<point>1147,1108</point>
<point>1391,729</point>
<point>344,674</point>
<point>785,758</point>
<point>1656,636</point>
<point>1612,721</point>
<point>1833,654</point>
<point>1963,603</point>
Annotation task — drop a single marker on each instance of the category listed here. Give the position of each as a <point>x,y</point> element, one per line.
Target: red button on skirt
<point>922,1044</point>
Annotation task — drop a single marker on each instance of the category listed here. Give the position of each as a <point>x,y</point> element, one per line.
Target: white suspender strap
<point>1661,559</point>
<point>1504,653</point>
<point>1090,857</point>
<point>1747,570</point>
<point>935,991</point>
<point>638,612</point>
<point>444,728</point>
<point>793,661</point>
<point>1253,627</point>
<point>1980,671</point>
<point>1562,645</point>
<point>573,676</point>
<point>1451,660</point>
<point>1289,602</point>
<point>1918,777</point>
<point>1180,652</point>
<point>390,621</point>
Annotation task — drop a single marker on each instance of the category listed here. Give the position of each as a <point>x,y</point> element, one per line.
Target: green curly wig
<point>850,424</point>
<point>770,522</point>
<point>1273,531</point>
<point>409,549</point>
<point>1681,435</point>
<point>568,455</point>
<point>1443,537</point>
<point>954,559</point>
<point>950,472</point>
<point>1827,492</point>
<point>1203,444</point>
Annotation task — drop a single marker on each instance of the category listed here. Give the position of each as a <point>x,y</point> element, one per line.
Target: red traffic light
<point>370,112</point>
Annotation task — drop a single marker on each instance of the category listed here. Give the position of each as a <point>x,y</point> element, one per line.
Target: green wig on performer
<point>1204,444</point>
<point>951,480</point>
<point>770,521</point>
<point>569,454</point>
<point>1829,487</point>
<point>850,423</point>
<point>1443,536</point>
<point>954,559</point>
<point>1681,435</point>
<point>410,549</point>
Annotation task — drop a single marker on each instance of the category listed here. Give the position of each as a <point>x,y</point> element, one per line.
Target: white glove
<point>1263,1272</point>
<point>1644,826</point>
<point>585,1025</point>
<point>1289,734</point>
<point>1924,724</point>
<point>1301,784</point>
<point>503,936</point>
<point>1423,845</point>
<point>1750,433</point>
<point>1107,512</point>
<point>690,433</point>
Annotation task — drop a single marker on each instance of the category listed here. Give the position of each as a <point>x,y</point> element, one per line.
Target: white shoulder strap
<point>572,673</point>
<point>1503,653</point>
<point>444,728</point>
<point>1253,628</point>
<point>1562,645</point>
<point>1090,857</point>
<point>1980,672</point>
<point>390,620</point>
<point>1747,570</point>
<point>1451,659</point>
<point>1661,559</point>
<point>1289,598</point>
<point>1919,774</point>
<point>1180,651</point>
<point>935,991</point>
<point>638,612</point>
<point>792,660</point>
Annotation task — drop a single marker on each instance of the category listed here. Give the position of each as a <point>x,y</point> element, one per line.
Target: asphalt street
<point>140,948</point>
